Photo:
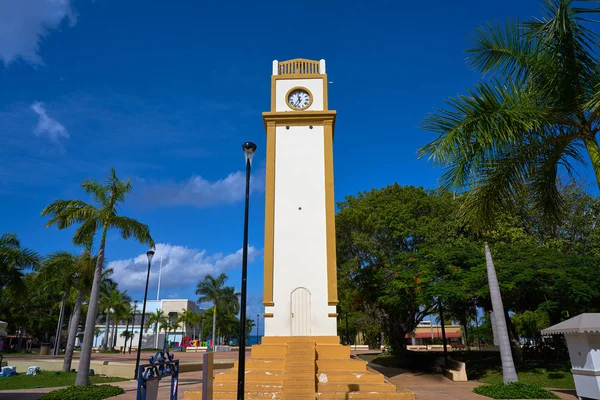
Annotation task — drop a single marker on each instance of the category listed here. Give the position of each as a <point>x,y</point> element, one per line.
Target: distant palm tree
<point>97,332</point>
<point>59,271</point>
<point>187,318</point>
<point>160,321</point>
<point>213,290</point>
<point>539,111</point>
<point>65,213</point>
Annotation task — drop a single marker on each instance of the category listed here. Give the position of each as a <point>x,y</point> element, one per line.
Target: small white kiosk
<point>583,340</point>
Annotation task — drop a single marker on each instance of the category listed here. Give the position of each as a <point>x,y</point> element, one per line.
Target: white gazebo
<point>583,340</point>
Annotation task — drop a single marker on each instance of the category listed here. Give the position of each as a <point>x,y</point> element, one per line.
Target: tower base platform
<point>304,368</point>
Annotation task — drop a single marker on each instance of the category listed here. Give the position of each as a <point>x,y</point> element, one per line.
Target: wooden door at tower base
<point>300,312</point>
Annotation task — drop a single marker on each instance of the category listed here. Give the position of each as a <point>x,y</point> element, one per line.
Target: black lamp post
<point>257,326</point>
<point>133,325</point>
<point>249,150</point>
<point>150,254</point>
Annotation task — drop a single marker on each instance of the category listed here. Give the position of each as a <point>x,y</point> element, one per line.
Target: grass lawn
<point>485,366</point>
<point>49,379</point>
<point>553,376</point>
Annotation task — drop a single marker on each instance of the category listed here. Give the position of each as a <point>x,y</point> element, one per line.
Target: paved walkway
<point>425,386</point>
<point>437,387</point>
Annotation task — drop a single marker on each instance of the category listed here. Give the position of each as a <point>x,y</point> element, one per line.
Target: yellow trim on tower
<point>332,315</point>
<point>269,216</point>
<point>268,315</point>
<point>332,294</point>
<point>316,118</point>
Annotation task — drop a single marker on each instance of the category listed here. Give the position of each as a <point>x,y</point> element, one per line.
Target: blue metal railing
<point>161,365</point>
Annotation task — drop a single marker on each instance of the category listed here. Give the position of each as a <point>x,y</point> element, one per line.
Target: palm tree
<point>59,271</point>
<point>66,213</point>
<point>213,290</point>
<point>85,269</point>
<point>13,260</point>
<point>160,321</point>
<point>187,318</point>
<point>97,332</point>
<point>539,111</point>
<point>509,374</point>
<point>119,304</point>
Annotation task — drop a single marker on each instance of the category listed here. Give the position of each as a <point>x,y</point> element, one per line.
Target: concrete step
<point>306,381</point>
<point>348,377</point>
<point>300,354</point>
<point>251,376</point>
<point>299,390</point>
<point>269,351</point>
<point>249,386</point>
<point>366,395</point>
<point>295,339</point>
<point>264,363</point>
<point>355,387</point>
<point>247,395</point>
<point>301,345</point>
<point>341,365</point>
<point>330,351</point>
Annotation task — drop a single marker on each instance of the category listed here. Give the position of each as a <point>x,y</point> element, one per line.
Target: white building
<point>170,307</point>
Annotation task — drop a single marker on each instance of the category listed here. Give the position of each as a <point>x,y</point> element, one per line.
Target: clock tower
<point>300,280</point>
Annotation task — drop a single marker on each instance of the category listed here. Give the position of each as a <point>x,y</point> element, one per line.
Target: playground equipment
<point>161,365</point>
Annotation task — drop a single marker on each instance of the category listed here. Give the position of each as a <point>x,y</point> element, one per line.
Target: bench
<point>418,347</point>
<point>438,347</point>
<point>455,370</point>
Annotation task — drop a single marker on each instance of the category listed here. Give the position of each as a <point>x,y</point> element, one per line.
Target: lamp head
<point>150,254</point>
<point>249,150</point>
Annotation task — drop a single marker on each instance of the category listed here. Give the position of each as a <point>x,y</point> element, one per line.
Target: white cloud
<point>200,192</point>
<point>24,23</point>
<point>47,126</point>
<point>183,267</point>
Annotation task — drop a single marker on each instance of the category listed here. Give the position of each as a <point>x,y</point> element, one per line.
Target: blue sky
<point>166,92</point>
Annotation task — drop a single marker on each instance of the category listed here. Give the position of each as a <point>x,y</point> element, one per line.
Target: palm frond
<point>129,227</point>
<point>503,50</point>
<point>97,190</point>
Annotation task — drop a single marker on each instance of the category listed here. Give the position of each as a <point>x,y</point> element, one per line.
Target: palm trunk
<point>115,332</point>
<point>594,153</point>
<point>214,330</point>
<point>20,342</point>
<point>106,332</point>
<point>90,320</point>
<point>73,326</point>
<point>156,333</point>
<point>509,374</point>
<point>61,315</point>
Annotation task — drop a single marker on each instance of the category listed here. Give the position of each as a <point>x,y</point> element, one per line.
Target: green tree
<point>222,297</point>
<point>13,260</point>
<point>188,319</point>
<point>538,113</point>
<point>65,213</point>
<point>160,321</point>
<point>530,323</point>
<point>381,236</point>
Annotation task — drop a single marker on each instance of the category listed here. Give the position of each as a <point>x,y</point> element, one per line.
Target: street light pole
<point>150,254</point>
<point>249,149</point>
<point>133,325</point>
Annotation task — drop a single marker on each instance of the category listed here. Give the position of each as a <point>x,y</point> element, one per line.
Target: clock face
<point>299,99</point>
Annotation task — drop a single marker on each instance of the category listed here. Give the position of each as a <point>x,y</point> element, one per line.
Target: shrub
<point>514,390</point>
<point>89,392</point>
